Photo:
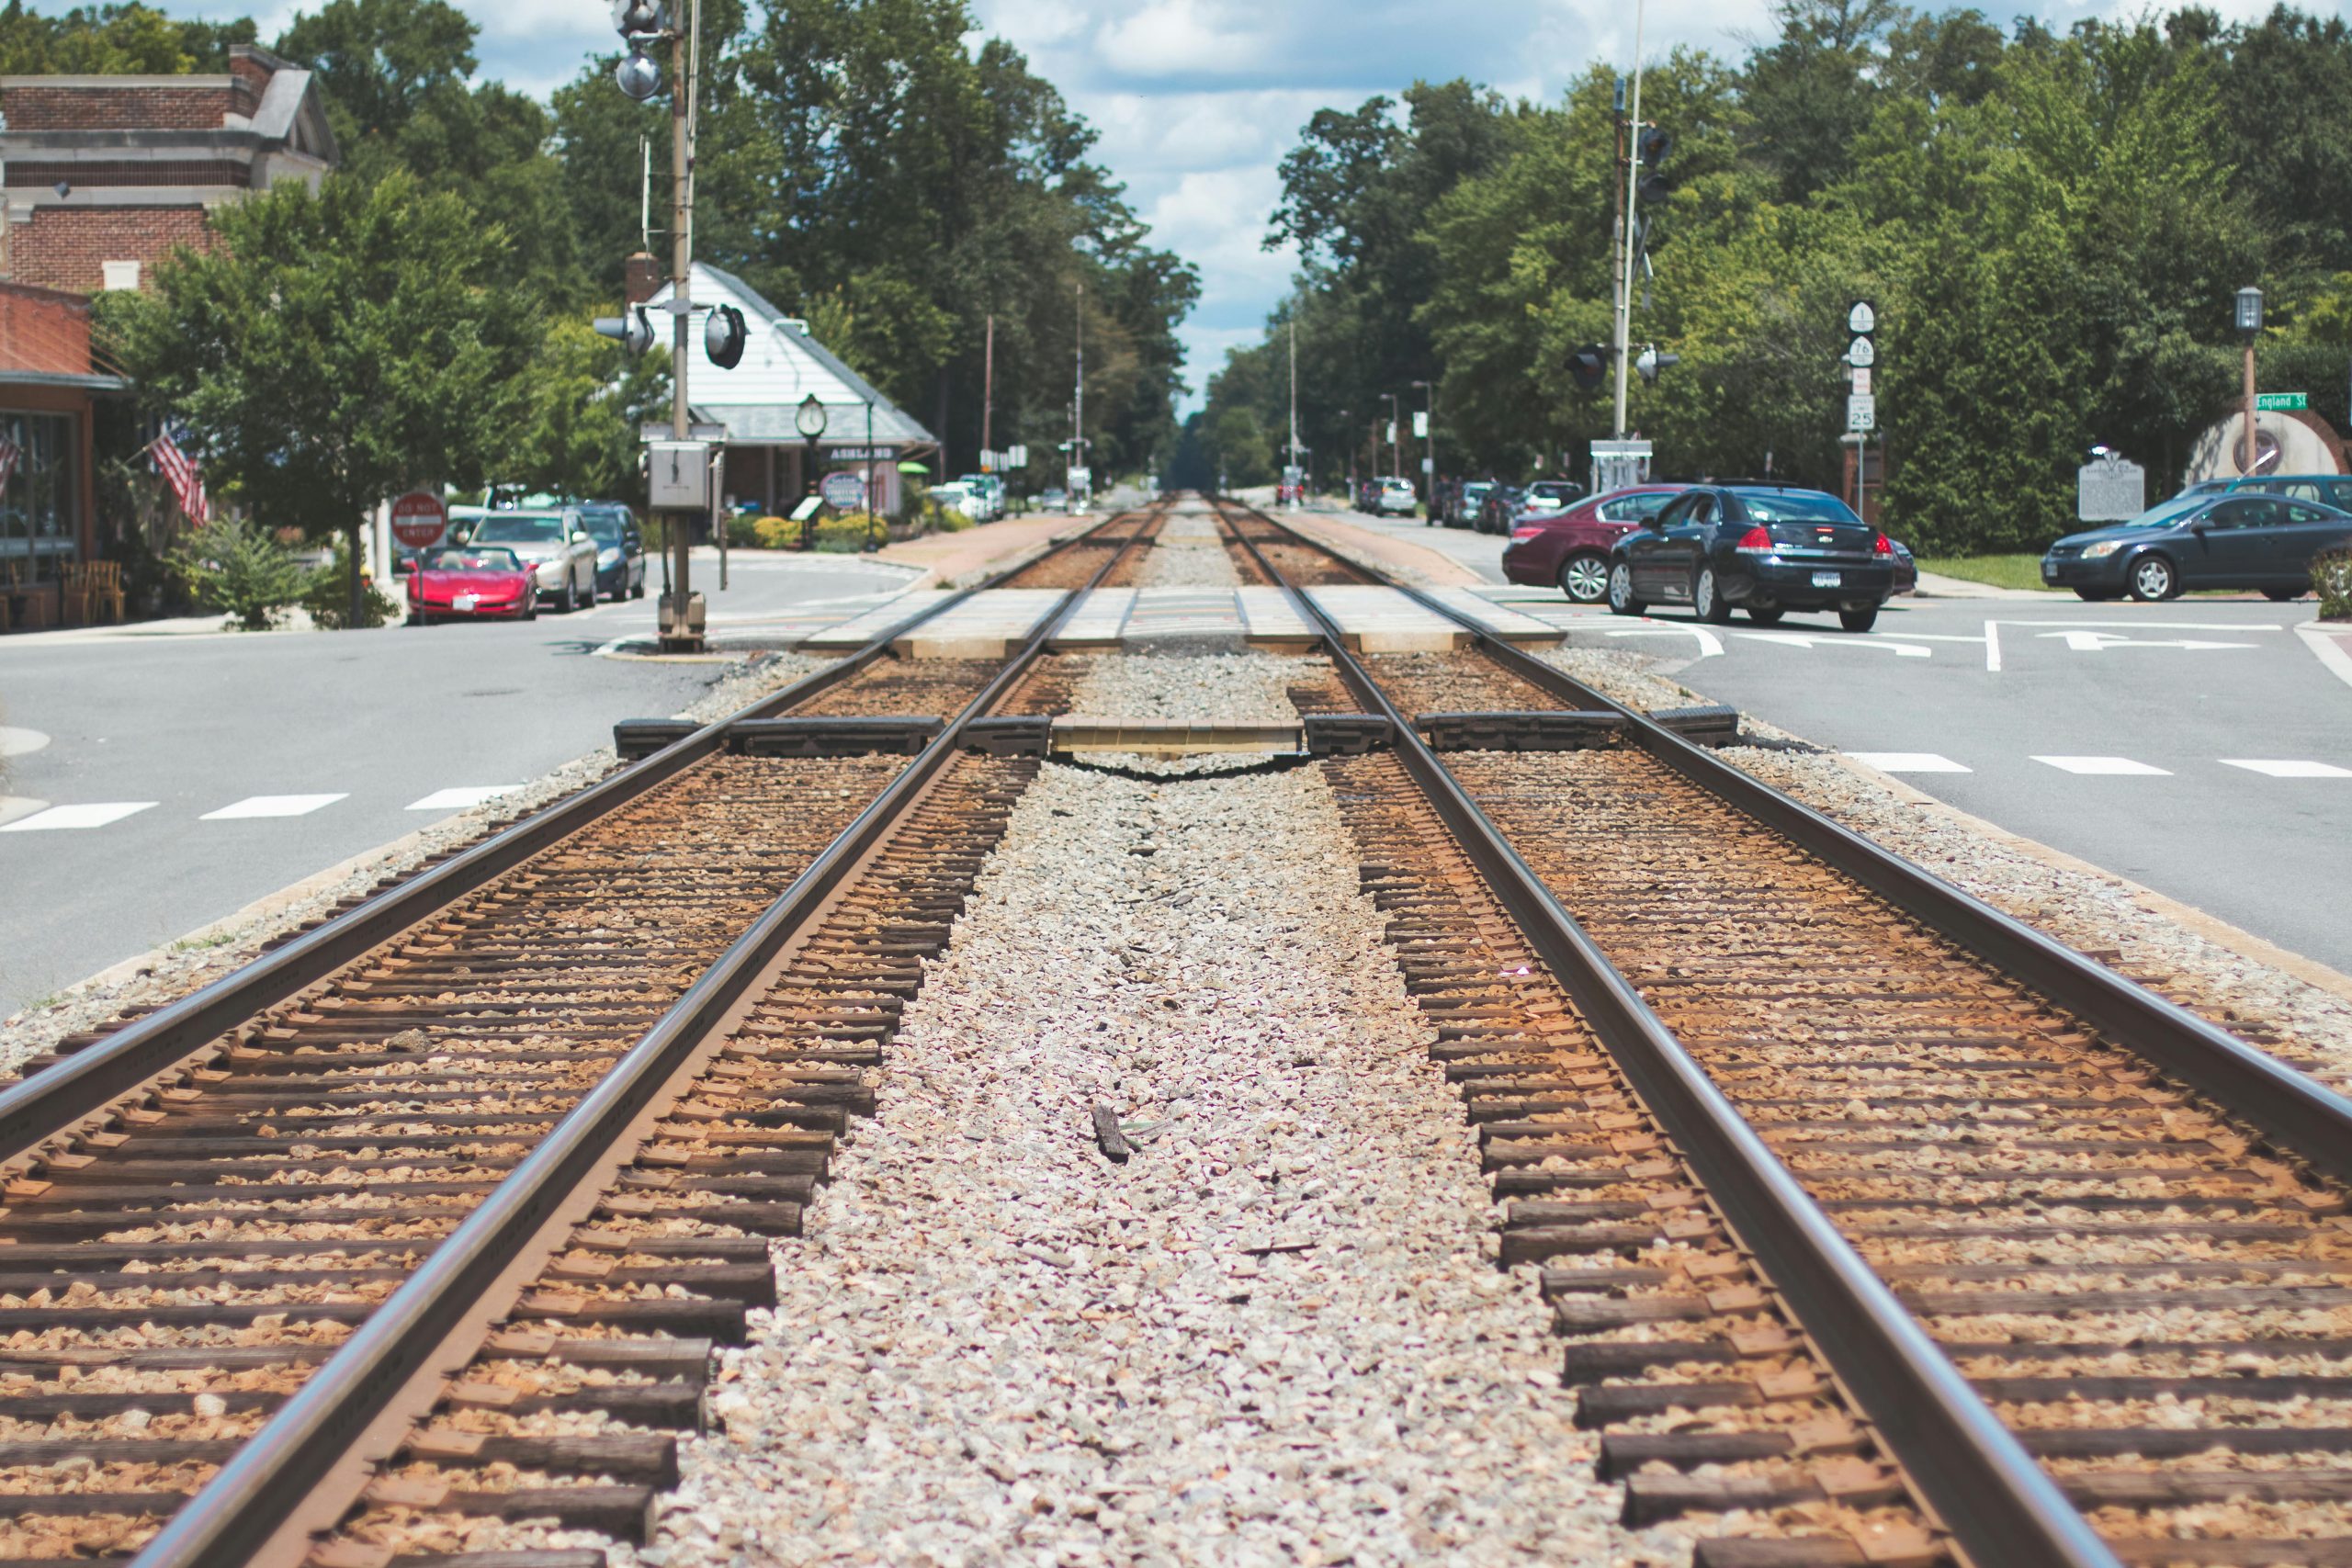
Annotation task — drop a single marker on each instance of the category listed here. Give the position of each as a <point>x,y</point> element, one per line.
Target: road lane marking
<point>461,797</point>
<point>1910,761</point>
<point>20,742</point>
<point>1710,644</point>
<point>2122,767</point>
<point>2288,770</point>
<point>271,805</point>
<point>94,814</point>
<point>1804,639</point>
<point>2099,642</point>
<point>2157,625</point>
<point>1993,646</point>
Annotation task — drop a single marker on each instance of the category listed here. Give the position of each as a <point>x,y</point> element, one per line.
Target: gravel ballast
<point>1274,1336</point>
<point>1188,552</point>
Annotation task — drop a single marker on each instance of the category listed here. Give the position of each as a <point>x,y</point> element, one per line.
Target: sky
<point>1197,100</point>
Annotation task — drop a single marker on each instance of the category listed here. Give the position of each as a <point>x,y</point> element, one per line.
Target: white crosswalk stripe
<point>2120,767</point>
<point>271,805</point>
<point>460,796</point>
<point>91,814</point>
<point>1910,761</point>
<point>2288,770</point>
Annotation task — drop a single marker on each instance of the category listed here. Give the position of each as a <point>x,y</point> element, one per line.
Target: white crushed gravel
<point>1188,553</point>
<point>1223,688</point>
<point>206,955</point>
<point>997,1346</point>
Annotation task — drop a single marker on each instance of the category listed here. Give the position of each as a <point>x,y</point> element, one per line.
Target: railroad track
<point>562,1084</point>
<point>1866,1209</point>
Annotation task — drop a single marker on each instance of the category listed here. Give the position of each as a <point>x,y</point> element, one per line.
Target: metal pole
<point>679,630</point>
<point>988,398</point>
<point>1301,497</point>
<point>1629,137</point>
<point>2248,467</point>
<point>1078,406</point>
<point>869,476</point>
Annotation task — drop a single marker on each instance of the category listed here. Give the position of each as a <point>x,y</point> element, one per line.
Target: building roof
<point>759,399</point>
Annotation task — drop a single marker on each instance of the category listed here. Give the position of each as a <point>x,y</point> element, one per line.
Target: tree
<point>329,351</point>
<point>585,403</point>
<point>132,39</point>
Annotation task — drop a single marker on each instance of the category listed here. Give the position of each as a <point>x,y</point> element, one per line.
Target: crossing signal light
<point>631,327</point>
<point>1651,362</point>
<point>723,337</point>
<point>1654,146</point>
<point>1588,365</point>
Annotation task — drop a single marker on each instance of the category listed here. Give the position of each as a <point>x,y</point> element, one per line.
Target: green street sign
<point>2282,402</point>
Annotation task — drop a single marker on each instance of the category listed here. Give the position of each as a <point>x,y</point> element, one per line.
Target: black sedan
<point>1497,509</point>
<point>1758,548</point>
<point>2236,540</point>
<point>620,549</point>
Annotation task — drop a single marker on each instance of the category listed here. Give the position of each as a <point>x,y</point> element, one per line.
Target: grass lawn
<point>2001,571</point>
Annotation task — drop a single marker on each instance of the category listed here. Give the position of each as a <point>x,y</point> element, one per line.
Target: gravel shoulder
<point>205,954</point>
<point>1277,1335</point>
<point>2130,927</point>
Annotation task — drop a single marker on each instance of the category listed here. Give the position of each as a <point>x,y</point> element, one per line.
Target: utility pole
<point>987,394</point>
<point>680,632</point>
<point>1293,400</point>
<point>1624,236</point>
<point>1078,415</point>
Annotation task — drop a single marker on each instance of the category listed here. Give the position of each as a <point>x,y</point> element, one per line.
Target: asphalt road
<point>2150,706</point>
<point>184,725</point>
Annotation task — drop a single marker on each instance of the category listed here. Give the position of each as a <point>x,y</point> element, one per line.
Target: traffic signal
<point>631,327</point>
<point>1652,147</point>
<point>1588,365</point>
<point>723,337</point>
<point>1651,362</point>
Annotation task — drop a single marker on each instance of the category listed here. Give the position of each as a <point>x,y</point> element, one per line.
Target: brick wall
<point>63,248</point>
<point>197,106</point>
<point>91,174</point>
<point>44,332</point>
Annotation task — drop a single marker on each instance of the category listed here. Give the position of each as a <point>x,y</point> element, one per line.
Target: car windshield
<point>604,527</point>
<point>2165,513</point>
<point>1795,506</point>
<point>471,561</point>
<point>522,529</point>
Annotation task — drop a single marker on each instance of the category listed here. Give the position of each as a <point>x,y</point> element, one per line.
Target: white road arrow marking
<point>1799,640</point>
<point>1710,644</point>
<point>2099,642</point>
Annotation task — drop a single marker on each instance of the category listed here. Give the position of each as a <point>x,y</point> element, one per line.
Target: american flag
<point>9,453</point>
<point>187,485</point>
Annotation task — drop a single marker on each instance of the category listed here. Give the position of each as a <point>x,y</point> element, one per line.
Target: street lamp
<point>809,419</point>
<point>2249,321</point>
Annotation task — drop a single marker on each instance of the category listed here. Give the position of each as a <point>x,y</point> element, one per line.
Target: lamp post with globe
<point>809,419</point>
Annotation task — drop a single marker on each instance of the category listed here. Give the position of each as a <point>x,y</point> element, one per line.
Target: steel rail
<point>2002,1509</point>
<point>244,1506</point>
<point>2295,1112</point>
<point>86,1083</point>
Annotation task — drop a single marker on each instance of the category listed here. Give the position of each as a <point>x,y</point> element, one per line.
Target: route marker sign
<point>2282,403</point>
<point>1862,412</point>
<point>418,519</point>
<point>845,492</point>
<point>1861,352</point>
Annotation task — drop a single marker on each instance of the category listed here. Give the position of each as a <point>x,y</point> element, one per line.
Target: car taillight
<point>1881,546</point>
<point>1525,533</point>
<point>1755,542</point>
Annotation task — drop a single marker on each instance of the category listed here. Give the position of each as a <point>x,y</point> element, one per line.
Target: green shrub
<point>240,570</point>
<point>743,531</point>
<point>846,533</point>
<point>947,519</point>
<point>327,596</point>
<point>2332,577</point>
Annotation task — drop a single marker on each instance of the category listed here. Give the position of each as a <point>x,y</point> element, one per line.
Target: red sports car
<point>1570,547</point>
<point>471,583</point>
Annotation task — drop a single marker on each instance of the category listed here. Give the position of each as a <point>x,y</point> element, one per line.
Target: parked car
<point>1053,498</point>
<point>2237,539</point>
<point>1570,547</point>
<point>1761,548</point>
<point>552,542</point>
<point>471,583</point>
<point>1463,513</point>
<point>1906,570</point>
<point>1546,496</point>
<point>620,549</point>
<point>1497,509</point>
<point>987,491</point>
<point>955,498</point>
<point>2328,490</point>
<point>1392,497</point>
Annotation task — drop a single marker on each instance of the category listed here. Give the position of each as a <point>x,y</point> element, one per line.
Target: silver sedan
<point>553,544</point>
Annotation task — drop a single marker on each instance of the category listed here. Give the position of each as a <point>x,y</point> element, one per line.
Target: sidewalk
<point>1419,562</point>
<point>949,558</point>
<point>1935,585</point>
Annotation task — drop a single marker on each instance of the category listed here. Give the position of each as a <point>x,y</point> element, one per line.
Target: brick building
<point>103,177</point>
<point>105,174</point>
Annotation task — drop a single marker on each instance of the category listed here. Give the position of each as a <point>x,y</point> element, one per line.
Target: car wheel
<point>1584,578</point>
<point>1621,590</point>
<point>2154,578</point>
<point>2098,596</point>
<point>1766,615</point>
<point>638,592</point>
<point>531,605</point>
<point>1858,620</point>
<point>570,594</point>
<point>2281,595</point>
<point>1707,597</point>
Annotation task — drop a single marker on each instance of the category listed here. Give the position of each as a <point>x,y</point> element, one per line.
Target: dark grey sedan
<point>2237,540</point>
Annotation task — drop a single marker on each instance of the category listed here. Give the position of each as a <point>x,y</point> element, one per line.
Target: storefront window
<point>37,511</point>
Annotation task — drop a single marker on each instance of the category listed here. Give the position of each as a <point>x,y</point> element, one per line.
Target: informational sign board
<point>845,492</point>
<point>1082,480</point>
<point>1425,464</point>
<point>418,519</point>
<point>1616,464</point>
<point>679,475</point>
<point>2282,402</point>
<point>1392,432</point>
<point>1862,412</point>
<point>1862,378</point>
<point>1420,424</point>
<point>2109,490</point>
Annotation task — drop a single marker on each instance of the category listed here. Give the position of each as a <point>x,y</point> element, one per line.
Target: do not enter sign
<point>418,519</point>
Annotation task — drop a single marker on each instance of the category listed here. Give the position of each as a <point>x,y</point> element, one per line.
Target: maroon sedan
<point>471,583</point>
<point>1570,547</point>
